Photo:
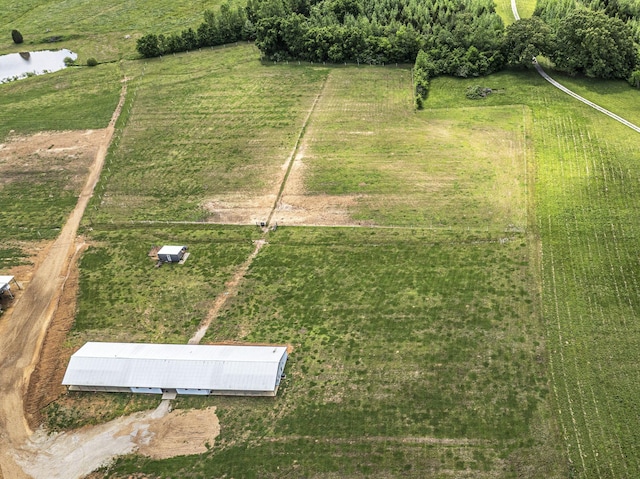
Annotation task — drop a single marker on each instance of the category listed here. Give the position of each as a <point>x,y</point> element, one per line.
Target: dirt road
<point>23,331</point>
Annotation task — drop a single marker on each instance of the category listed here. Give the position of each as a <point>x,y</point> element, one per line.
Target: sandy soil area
<point>158,434</point>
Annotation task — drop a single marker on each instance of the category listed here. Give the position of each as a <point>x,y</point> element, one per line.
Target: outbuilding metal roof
<point>176,366</point>
<point>4,281</point>
<point>170,250</point>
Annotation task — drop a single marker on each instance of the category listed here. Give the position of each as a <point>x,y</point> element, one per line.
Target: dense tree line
<point>460,37</point>
<point>456,37</point>
<point>228,25</point>
<point>628,11</point>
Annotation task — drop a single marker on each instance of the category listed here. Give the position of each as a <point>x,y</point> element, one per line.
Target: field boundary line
<point>293,153</point>
<point>404,440</point>
<point>564,89</point>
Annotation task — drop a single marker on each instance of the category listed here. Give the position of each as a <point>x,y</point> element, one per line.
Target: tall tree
<point>594,44</point>
<point>527,38</point>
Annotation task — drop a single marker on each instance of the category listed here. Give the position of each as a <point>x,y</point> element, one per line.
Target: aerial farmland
<point>455,281</point>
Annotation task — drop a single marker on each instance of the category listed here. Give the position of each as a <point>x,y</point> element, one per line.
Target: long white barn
<point>185,369</point>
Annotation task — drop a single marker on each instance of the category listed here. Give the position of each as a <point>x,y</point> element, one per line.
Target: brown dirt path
<point>22,334</point>
<point>231,289</point>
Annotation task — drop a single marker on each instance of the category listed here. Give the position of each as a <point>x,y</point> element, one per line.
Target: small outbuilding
<point>236,370</point>
<point>171,254</point>
<point>5,284</point>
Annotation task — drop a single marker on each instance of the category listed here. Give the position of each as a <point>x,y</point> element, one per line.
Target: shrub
<point>68,61</point>
<point>16,36</point>
<point>92,62</point>
<point>634,79</point>
<point>476,92</point>
<point>421,73</point>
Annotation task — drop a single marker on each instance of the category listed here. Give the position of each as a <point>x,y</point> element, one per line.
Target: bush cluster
<point>421,71</point>
<point>16,36</point>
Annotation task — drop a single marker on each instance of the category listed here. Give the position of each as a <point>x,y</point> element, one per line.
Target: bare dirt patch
<point>240,209</point>
<point>45,384</point>
<point>49,153</point>
<point>159,434</point>
<point>181,433</point>
<point>298,208</point>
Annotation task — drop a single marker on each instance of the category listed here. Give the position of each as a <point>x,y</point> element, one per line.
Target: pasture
<point>104,31</point>
<point>417,347</point>
<point>481,321</point>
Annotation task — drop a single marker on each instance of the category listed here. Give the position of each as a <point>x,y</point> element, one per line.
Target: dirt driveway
<point>22,331</point>
<point>24,454</point>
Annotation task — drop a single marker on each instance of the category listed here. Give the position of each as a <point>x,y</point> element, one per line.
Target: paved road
<point>563,88</point>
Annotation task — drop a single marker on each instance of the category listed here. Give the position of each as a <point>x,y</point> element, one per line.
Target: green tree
<point>148,46</point>
<point>16,36</point>
<point>591,43</point>
<point>527,38</point>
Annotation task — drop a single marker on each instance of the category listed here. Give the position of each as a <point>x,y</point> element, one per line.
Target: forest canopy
<point>456,37</point>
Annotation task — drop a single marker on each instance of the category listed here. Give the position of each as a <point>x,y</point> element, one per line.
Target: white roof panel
<point>4,280</point>
<point>176,366</point>
<point>170,249</point>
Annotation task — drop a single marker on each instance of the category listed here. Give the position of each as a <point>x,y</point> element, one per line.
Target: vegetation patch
<point>477,92</point>
<point>227,126</point>
<point>125,297</point>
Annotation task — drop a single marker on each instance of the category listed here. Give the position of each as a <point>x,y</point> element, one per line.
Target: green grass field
<point>105,31</point>
<point>416,350</point>
<point>200,126</point>
<point>590,268</point>
<point>410,356</point>
<point>461,167</point>
<point>124,297</point>
<point>489,330</point>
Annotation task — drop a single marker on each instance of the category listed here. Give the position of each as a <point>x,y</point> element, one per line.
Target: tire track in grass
<point>232,286</point>
<point>577,341</point>
<point>576,434</point>
<point>543,74</point>
<point>230,290</point>
<point>581,281</point>
<point>292,155</point>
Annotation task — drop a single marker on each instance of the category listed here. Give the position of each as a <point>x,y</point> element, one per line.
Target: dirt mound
<point>159,434</point>
<point>45,384</point>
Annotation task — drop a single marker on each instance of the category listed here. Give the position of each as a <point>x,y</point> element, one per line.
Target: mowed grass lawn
<point>587,213</point>
<point>457,166</point>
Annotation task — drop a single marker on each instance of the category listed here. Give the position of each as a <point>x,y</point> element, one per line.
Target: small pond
<point>20,65</point>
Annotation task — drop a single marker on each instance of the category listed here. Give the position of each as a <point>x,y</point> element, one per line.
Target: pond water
<point>19,65</point>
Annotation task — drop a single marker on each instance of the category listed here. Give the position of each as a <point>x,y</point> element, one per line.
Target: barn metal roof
<point>4,281</point>
<point>173,366</point>
<point>170,250</point>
